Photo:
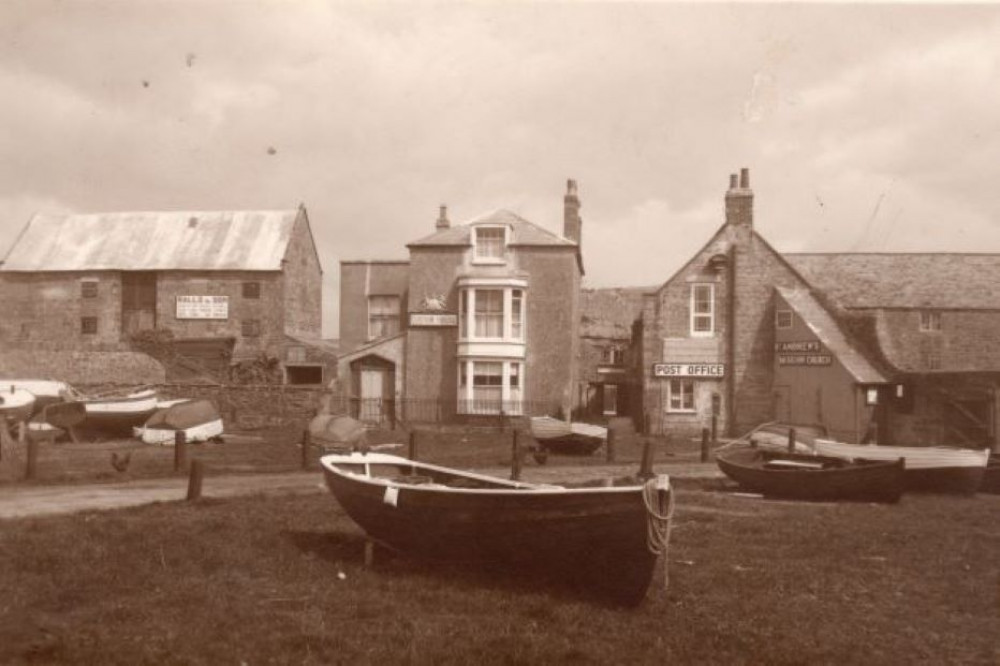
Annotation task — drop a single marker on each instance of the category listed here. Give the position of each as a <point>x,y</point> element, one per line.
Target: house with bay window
<point>481,319</point>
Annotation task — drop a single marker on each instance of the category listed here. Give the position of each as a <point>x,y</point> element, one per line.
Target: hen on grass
<point>120,463</point>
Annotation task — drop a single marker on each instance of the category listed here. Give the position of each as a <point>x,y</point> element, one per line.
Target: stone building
<point>218,287</point>
<point>481,319</point>
<point>893,348</point>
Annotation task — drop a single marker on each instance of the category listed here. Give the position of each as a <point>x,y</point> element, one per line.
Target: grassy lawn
<point>278,450</point>
<point>260,581</point>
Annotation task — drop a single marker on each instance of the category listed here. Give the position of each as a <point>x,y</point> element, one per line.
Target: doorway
<point>138,302</point>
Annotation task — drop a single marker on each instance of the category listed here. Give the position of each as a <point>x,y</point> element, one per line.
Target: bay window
<point>489,386</point>
<point>491,313</point>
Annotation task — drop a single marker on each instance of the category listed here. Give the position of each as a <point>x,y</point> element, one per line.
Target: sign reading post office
<point>203,307</point>
<point>695,370</point>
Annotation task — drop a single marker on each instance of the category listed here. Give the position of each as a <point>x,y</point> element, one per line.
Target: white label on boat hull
<point>391,494</point>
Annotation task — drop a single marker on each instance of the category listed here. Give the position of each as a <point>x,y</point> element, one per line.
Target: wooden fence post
<point>412,452</point>
<point>32,466</point>
<point>515,458</point>
<point>180,451</point>
<point>715,424</point>
<point>791,440</point>
<point>609,453</point>
<point>704,444</point>
<point>646,467</point>
<point>306,443</point>
<point>194,480</point>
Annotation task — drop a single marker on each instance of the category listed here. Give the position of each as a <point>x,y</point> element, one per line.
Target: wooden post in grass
<point>791,440</point>
<point>704,444</point>
<point>412,451</point>
<point>306,443</point>
<point>646,466</point>
<point>645,424</point>
<point>32,466</point>
<point>369,552</point>
<point>180,451</point>
<point>194,480</point>
<point>610,452</point>
<point>715,425</point>
<point>515,457</point>
<point>502,415</point>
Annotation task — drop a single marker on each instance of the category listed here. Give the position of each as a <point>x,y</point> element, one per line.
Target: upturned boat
<point>811,477</point>
<point>117,411</point>
<point>566,437</point>
<point>603,539</point>
<point>928,468</point>
<point>199,420</point>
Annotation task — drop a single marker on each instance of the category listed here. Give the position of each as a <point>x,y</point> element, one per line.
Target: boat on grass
<point>605,539</point>
<point>565,437</point>
<point>804,476</point>
<point>46,391</point>
<point>928,468</point>
<point>199,420</point>
<point>119,411</point>
<point>16,404</point>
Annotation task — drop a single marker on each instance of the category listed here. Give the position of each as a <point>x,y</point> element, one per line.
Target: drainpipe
<point>731,344</point>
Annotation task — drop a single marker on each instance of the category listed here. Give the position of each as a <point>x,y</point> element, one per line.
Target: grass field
<point>261,581</point>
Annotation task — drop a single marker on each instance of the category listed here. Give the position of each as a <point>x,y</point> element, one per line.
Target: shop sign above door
<point>433,319</point>
<point>807,352</point>
<point>703,370</point>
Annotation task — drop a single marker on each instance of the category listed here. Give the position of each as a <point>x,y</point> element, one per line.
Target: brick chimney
<point>572,222</point>
<point>739,200</point>
<point>442,221</point>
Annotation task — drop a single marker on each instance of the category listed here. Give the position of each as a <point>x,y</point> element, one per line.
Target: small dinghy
<point>199,420</point>
<point>601,538</point>
<point>564,437</point>
<point>16,404</point>
<point>117,411</point>
<point>46,391</point>
<point>810,477</point>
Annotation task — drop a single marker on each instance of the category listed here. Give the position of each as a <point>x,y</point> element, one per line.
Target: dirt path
<point>21,501</point>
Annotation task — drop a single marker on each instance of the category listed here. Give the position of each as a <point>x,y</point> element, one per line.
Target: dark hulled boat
<point>810,477</point>
<point>597,537</point>
<point>567,438</point>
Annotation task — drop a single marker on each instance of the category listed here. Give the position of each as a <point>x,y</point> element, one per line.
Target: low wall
<point>81,367</point>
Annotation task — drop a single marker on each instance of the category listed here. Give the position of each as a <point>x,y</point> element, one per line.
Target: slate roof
<point>184,240</point>
<point>941,281</point>
<point>523,232</point>
<point>609,312</point>
<point>819,320</point>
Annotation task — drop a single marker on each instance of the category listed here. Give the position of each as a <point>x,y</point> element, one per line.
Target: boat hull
<point>119,412</point>
<point>561,437</point>
<point>594,538</point>
<point>932,469</point>
<point>16,404</point>
<point>833,479</point>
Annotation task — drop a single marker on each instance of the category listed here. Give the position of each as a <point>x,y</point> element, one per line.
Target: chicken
<point>120,463</point>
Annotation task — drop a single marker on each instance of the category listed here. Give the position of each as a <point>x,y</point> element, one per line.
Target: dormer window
<point>490,244</point>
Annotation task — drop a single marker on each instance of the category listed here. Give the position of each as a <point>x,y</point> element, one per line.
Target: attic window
<point>783,319</point>
<point>88,289</point>
<point>490,244</point>
<point>251,290</point>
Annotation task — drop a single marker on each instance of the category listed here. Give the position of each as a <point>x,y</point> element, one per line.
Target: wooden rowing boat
<point>597,538</point>
<point>928,468</point>
<point>564,437</point>
<point>119,411</point>
<point>199,420</point>
<point>811,477</point>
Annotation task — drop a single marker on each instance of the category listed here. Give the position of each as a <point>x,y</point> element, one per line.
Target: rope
<point>659,512</point>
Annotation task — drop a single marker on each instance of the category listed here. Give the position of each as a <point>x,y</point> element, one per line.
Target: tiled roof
<point>186,240</point>
<point>830,334</point>
<point>523,232</point>
<point>955,281</point>
<point>609,313</point>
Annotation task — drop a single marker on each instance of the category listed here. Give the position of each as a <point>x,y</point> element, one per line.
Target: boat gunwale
<point>508,487</point>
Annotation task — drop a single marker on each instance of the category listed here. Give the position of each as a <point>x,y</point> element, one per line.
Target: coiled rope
<point>659,512</point>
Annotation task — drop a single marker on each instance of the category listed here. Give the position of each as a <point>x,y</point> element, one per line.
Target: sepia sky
<point>865,128</point>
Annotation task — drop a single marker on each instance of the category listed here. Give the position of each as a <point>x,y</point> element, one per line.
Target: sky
<point>866,128</point>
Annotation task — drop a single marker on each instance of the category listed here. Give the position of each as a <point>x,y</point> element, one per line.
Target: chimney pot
<point>571,187</point>
<point>572,223</point>
<point>732,181</point>
<point>442,221</point>
<point>744,178</point>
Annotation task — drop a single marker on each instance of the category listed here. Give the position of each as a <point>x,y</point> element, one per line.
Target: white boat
<point>565,437</point>
<point>119,411</point>
<point>199,420</point>
<point>928,468</point>
<point>16,404</point>
<point>46,391</point>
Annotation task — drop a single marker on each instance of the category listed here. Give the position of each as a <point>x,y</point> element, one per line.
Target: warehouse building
<point>216,287</point>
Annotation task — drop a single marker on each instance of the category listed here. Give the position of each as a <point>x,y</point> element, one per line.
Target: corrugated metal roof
<point>523,232</point>
<point>185,240</point>
<point>862,280</point>
<point>822,323</point>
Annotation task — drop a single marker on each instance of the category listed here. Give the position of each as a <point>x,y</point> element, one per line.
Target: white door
<point>372,392</point>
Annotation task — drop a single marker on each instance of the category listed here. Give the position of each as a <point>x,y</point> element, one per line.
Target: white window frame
<point>696,316</point>
<point>930,321</point>
<point>467,300</point>
<point>511,397</point>
<point>783,323</point>
<point>490,259</point>
<point>399,315</point>
<point>681,408</point>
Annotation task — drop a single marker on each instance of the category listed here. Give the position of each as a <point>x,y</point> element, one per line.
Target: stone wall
<point>81,367</point>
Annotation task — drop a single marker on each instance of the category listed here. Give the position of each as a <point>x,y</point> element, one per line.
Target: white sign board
<point>203,307</point>
<point>703,370</point>
<point>433,319</point>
